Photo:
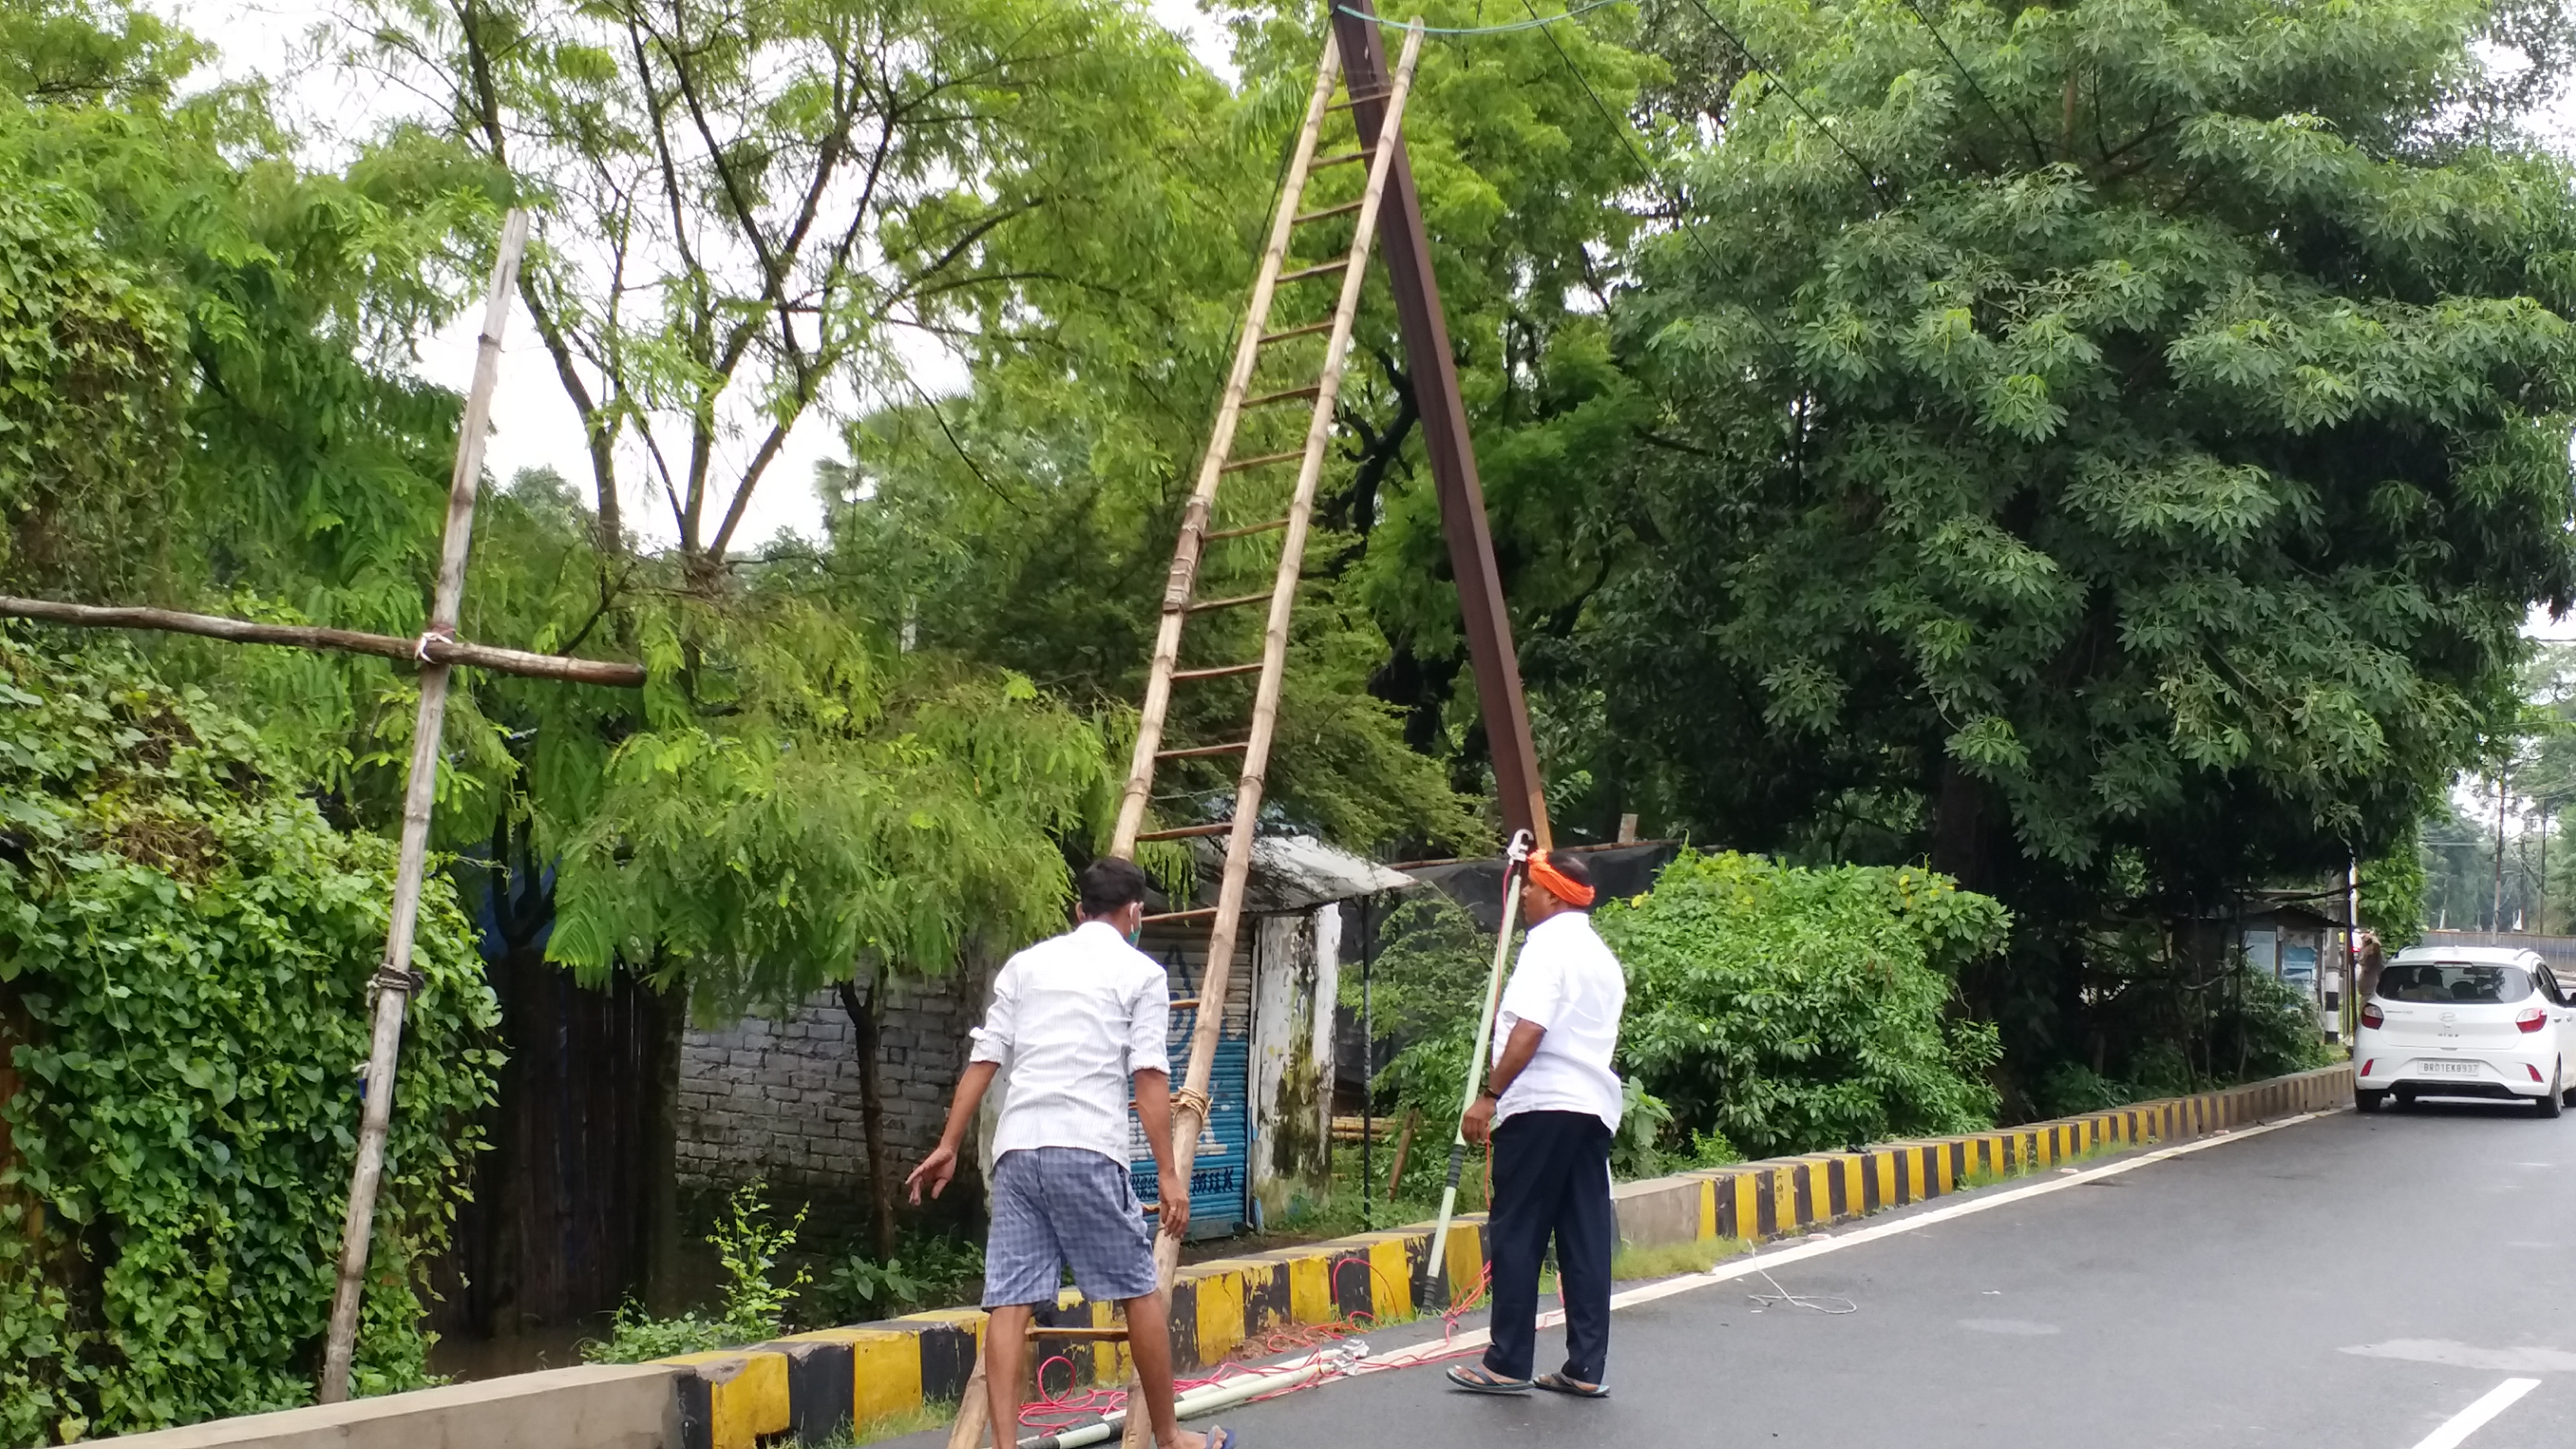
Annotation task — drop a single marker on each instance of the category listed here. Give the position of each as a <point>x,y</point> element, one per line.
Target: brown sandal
<point>1478,1379</point>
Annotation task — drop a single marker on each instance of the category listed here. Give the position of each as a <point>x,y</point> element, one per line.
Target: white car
<point>2465,1021</point>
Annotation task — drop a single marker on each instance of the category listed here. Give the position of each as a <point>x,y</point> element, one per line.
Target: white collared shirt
<point>1073,1019</point>
<point>1569,985</point>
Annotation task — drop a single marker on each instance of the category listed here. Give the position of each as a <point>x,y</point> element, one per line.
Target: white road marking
<point>1752,1263</point>
<point>2473,1418</point>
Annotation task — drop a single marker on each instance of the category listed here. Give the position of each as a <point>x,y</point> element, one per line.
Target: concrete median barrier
<point>809,1387</point>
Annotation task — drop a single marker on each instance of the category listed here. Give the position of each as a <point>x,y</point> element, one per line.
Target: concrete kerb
<point>812,1385</point>
<point>1220,1306</point>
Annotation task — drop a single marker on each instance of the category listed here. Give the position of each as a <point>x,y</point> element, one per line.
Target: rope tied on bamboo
<point>434,634</point>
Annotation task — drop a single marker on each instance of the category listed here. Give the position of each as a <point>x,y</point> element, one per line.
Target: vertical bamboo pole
<point>393,976</point>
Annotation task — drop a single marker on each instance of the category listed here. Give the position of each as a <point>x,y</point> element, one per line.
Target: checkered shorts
<point>1058,1205</point>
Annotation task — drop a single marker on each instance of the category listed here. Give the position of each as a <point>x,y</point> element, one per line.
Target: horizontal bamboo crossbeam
<point>1308,330</point>
<point>1320,269</point>
<point>1322,213</point>
<point>1217,671</point>
<point>347,641</point>
<point>1196,752</point>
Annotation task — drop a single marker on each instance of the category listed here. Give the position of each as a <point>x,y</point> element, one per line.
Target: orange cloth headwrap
<point>1558,883</point>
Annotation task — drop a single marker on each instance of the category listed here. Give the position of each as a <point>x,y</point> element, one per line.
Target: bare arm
<point>1154,1114</point>
<point>1518,1048</point>
<point>941,1165</point>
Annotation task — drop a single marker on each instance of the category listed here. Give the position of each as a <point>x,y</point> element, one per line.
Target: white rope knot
<point>1192,1102</point>
<point>442,633</point>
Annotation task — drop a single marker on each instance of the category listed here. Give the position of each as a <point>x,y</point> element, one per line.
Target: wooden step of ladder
<point>1181,603</point>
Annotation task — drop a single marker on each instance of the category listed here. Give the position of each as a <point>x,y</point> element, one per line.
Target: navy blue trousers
<point>1551,1180</point>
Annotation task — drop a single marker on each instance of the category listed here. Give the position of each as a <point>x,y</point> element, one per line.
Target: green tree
<point>2108,448</point>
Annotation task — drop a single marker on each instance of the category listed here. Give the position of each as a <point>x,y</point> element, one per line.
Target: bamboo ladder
<point>1181,603</point>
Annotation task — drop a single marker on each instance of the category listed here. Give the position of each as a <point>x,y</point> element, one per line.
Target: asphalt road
<point>2347,1281</point>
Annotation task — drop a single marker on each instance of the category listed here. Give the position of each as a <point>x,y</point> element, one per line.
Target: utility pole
<point>2350,1016</point>
<point>1432,368</point>
<point>2495,913</point>
<point>2541,886</point>
<point>394,981</point>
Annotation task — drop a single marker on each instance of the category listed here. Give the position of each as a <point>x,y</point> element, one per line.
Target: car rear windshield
<point>2453,981</point>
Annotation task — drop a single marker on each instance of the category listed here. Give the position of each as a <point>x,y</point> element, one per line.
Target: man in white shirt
<point>1074,1020</point>
<point>1550,1105</point>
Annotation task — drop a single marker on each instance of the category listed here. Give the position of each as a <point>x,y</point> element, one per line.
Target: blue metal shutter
<point>1221,1179</point>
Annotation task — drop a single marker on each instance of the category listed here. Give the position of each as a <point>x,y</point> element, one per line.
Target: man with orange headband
<point>1550,1105</point>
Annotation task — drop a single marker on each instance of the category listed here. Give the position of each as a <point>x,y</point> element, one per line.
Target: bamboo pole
<point>393,977</point>
<point>1190,1102</point>
<point>434,649</point>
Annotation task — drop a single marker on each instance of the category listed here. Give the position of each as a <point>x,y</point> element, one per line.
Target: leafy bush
<point>185,947</point>
<point>930,1272</point>
<point>1789,1010</point>
<point>1770,1008</point>
<point>755,1303</point>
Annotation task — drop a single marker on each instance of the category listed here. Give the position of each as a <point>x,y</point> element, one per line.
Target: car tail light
<point>2369,1065</point>
<point>2535,1071</point>
<point>2531,1019</point>
<point>2372,1016</point>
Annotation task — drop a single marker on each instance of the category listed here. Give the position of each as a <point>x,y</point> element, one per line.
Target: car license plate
<point>2450,1069</point>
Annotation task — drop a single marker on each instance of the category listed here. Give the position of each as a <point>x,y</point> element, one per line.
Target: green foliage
<point>931,1272</point>
<point>207,345</point>
<point>185,946</point>
<point>1771,1009</point>
<point>802,801</point>
<point>749,1246</point>
<point>1643,1119</point>
<point>1791,1010</point>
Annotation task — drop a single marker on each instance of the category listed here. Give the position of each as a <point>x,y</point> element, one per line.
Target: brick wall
<point>780,1098</point>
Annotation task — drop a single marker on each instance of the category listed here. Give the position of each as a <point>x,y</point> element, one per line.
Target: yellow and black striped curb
<point>814,1384</point>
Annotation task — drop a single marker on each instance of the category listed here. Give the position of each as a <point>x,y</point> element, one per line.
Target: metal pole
<point>393,980</point>
<point>1433,369</point>
<point>1435,1268</point>
<point>2541,916</point>
<point>2495,913</point>
<point>1368,1060</point>
<point>2352,947</point>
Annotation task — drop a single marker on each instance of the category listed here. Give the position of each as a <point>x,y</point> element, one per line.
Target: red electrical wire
<point>1054,1412</point>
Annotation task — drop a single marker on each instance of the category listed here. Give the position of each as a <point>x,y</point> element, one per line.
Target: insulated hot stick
<point>1515,866</point>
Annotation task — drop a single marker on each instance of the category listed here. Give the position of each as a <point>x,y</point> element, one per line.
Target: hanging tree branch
<point>436,649</point>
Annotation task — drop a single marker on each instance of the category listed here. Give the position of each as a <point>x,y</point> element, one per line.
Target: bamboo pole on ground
<point>393,980</point>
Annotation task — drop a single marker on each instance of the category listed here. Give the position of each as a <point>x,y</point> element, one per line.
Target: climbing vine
<point>185,945</point>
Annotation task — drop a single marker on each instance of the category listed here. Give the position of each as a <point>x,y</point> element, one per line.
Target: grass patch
<point>1671,1260</point>
<point>937,1414</point>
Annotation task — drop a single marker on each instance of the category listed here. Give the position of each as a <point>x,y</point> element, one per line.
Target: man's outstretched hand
<point>933,1173</point>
